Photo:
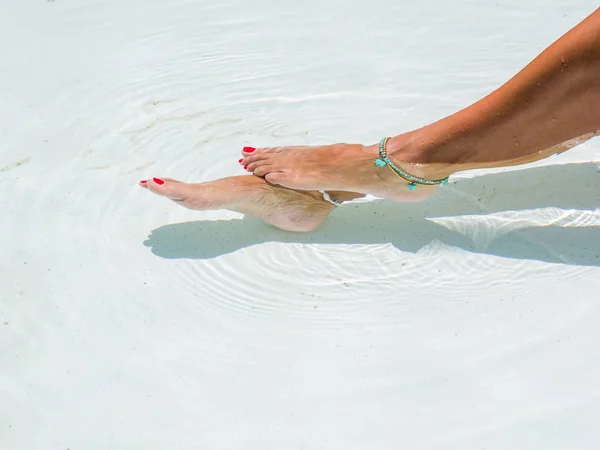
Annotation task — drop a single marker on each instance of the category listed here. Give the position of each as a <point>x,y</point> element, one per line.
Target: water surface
<point>466,322</point>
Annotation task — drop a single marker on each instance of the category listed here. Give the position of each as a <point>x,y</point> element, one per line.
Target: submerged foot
<point>283,208</point>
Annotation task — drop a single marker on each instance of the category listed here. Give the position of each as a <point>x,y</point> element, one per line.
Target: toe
<point>251,167</point>
<point>254,158</point>
<point>248,151</point>
<point>278,178</point>
<point>263,170</point>
<point>167,187</point>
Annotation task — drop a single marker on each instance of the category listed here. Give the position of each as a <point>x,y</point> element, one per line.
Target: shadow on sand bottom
<point>547,214</point>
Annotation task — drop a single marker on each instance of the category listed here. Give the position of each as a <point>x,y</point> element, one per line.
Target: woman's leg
<point>549,106</point>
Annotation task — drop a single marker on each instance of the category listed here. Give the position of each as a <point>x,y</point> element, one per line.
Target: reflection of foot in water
<point>283,208</point>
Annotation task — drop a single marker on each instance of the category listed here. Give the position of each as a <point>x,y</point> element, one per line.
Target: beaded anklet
<point>411,179</point>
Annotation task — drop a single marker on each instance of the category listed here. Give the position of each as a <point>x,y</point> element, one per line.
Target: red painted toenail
<point>143,181</point>
<point>240,160</point>
<point>246,166</point>
<point>249,149</point>
<point>158,181</point>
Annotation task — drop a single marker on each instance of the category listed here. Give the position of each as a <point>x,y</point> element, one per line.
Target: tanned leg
<point>548,107</point>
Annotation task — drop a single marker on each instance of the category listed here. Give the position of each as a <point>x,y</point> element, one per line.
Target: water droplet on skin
<point>515,141</point>
<point>553,119</point>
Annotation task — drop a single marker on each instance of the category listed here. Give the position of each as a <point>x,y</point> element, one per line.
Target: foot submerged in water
<point>283,208</point>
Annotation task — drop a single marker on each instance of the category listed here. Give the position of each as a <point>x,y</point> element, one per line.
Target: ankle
<point>421,153</point>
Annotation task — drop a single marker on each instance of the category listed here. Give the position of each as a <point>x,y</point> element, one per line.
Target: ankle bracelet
<point>411,179</point>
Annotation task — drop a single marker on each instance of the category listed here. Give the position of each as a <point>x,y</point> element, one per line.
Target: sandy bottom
<point>470,321</point>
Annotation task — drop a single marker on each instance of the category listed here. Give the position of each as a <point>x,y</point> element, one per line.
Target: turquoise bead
<point>412,187</point>
<point>379,163</point>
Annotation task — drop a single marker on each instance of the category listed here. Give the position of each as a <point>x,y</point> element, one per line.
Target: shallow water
<point>466,322</point>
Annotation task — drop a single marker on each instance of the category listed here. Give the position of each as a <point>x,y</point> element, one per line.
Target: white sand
<point>126,322</point>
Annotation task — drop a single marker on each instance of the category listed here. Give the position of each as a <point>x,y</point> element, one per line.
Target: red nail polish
<point>246,166</point>
<point>248,149</point>
<point>240,160</point>
<point>158,181</point>
<point>143,181</point>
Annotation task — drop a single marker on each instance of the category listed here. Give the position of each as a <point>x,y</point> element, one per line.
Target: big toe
<point>167,187</point>
<point>247,151</point>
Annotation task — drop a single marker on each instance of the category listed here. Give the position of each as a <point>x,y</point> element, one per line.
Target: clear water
<point>466,322</point>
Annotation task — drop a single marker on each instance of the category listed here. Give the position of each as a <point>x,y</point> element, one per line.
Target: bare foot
<point>341,167</point>
<point>333,167</point>
<point>283,208</point>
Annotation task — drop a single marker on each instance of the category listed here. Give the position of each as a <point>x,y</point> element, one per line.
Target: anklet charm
<point>413,181</point>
